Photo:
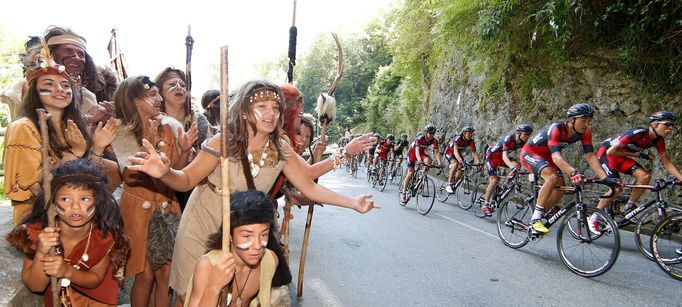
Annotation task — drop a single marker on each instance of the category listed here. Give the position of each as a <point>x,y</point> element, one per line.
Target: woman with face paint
<point>50,88</point>
<point>248,268</point>
<point>138,106</point>
<point>178,105</point>
<point>257,155</point>
<point>91,247</point>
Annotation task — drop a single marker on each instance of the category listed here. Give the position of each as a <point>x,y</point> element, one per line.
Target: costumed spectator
<point>149,208</point>
<point>249,268</point>
<point>257,155</point>
<point>50,87</point>
<point>210,101</point>
<point>89,240</point>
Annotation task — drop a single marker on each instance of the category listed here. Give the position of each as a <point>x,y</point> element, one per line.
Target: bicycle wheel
<point>441,193</point>
<point>400,192</point>
<point>666,244</point>
<point>398,173</point>
<point>513,220</point>
<point>643,231</point>
<point>426,195</point>
<point>588,255</point>
<point>477,199</point>
<point>383,178</point>
<point>463,193</point>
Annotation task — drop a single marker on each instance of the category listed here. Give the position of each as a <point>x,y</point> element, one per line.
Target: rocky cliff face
<point>457,98</point>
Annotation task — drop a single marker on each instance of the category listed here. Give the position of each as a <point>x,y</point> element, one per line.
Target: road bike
<point>463,188</point>
<point>422,188</point>
<point>584,253</point>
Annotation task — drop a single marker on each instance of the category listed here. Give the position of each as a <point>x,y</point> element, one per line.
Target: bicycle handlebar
<point>596,180</point>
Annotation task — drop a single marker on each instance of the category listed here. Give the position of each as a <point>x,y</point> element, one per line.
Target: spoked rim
<point>513,221</point>
<point>588,255</point>
<point>463,194</point>
<point>665,240</point>
<point>644,229</point>
<point>441,193</point>
<point>426,196</point>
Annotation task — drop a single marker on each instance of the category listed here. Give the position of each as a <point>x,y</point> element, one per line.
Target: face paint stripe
<point>244,246</point>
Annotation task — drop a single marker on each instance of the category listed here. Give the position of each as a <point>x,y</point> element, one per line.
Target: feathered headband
<point>47,65</point>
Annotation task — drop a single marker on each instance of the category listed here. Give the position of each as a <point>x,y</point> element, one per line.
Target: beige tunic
<point>202,216</point>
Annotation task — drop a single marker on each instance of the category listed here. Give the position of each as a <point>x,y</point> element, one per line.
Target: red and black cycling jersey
<point>635,140</point>
<point>421,144</point>
<point>459,143</point>
<point>384,147</point>
<point>507,143</point>
<point>554,137</point>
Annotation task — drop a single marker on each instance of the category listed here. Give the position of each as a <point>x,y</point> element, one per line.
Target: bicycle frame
<point>660,203</point>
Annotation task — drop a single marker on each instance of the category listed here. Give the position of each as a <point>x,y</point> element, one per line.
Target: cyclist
<point>453,153</point>
<point>542,156</point>
<point>371,151</point>
<point>383,150</point>
<point>417,153</point>
<point>400,146</point>
<point>616,153</point>
<point>498,156</point>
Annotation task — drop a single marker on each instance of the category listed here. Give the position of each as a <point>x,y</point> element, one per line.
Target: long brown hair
<point>32,102</point>
<point>125,107</point>
<point>238,139</point>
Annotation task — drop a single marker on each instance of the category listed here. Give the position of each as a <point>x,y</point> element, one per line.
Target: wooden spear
<point>326,110</point>
<point>224,153</point>
<point>189,44</point>
<point>43,116</point>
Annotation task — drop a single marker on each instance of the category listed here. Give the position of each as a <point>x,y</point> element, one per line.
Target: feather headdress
<point>47,65</point>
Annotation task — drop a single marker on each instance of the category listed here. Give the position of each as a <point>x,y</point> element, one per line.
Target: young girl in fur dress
<point>91,247</point>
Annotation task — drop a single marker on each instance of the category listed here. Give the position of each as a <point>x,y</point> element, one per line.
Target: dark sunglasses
<point>667,124</point>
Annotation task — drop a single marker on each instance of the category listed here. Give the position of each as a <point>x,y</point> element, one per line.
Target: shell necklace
<point>255,167</point>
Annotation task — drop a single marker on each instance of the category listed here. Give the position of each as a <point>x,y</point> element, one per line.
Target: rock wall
<point>457,98</point>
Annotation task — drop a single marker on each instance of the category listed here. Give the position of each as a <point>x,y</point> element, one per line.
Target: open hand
<point>104,134</point>
<point>74,137</point>
<point>150,162</point>
<point>364,203</point>
<point>187,139</point>
<point>360,144</point>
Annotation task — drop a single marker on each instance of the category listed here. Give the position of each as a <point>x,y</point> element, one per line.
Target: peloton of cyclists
<point>417,153</point>
<point>541,155</point>
<point>616,153</point>
<point>499,156</point>
<point>453,154</point>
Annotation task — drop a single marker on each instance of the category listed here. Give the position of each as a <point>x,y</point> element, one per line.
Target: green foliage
<point>10,65</point>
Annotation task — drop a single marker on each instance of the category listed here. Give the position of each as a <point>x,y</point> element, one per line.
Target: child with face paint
<point>91,248</point>
<point>50,88</point>
<point>257,155</point>
<point>248,269</point>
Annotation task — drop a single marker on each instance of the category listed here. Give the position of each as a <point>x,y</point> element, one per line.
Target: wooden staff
<point>43,116</point>
<point>326,110</point>
<point>116,59</point>
<point>189,44</point>
<point>224,153</point>
<point>293,32</point>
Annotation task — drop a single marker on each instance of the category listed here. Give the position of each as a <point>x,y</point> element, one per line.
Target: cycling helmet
<point>468,129</point>
<point>661,115</point>
<point>390,137</point>
<point>581,110</point>
<point>430,128</point>
<point>377,135</point>
<point>404,136</point>
<point>524,128</point>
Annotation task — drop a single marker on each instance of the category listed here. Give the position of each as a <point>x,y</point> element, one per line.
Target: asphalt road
<point>397,257</point>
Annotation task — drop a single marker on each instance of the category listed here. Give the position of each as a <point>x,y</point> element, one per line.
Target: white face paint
<point>263,243</point>
<point>244,246</point>
<point>258,114</point>
<point>176,84</point>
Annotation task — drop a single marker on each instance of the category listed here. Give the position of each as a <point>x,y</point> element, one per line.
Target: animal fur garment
<point>326,108</point>
<point>161,237</point>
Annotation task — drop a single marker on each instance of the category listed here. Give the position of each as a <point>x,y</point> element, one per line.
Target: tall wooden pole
<point>43,116</point>
<point>224,152</point>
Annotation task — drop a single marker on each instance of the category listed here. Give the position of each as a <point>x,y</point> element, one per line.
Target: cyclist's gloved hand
<point>515,170</point>
<point>577,178</point>
<point>611,182</point>
<point>644,156</point>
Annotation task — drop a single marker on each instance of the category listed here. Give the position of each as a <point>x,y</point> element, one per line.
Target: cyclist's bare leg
<point>546,194</point>
<point>451,172</point>
<point>493,181</point>
<point>643,177</point>
<point>408,176</point>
